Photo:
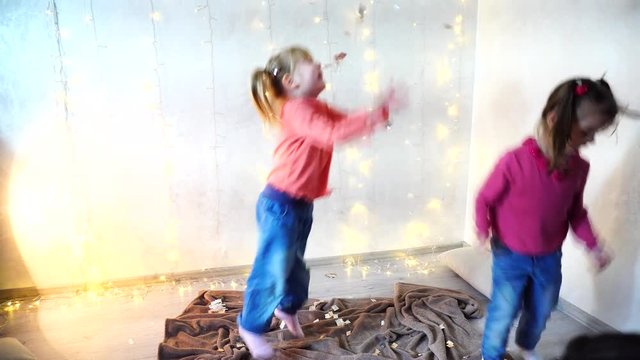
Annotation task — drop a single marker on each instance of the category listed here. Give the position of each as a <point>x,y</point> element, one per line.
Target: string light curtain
<point>136,150</point>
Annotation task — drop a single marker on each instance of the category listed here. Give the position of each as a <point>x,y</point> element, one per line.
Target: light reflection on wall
<point>155,167</point>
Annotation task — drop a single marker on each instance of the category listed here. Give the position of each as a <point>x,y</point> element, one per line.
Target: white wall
<point>158,163</point>
<point>524,49</point>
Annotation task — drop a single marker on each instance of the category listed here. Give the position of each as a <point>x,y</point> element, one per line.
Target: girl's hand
<point>601,257</point>
<point>483,241</point>
<point>395,97</point>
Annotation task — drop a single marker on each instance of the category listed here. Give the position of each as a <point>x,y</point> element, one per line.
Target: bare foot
<point>292,323</point>
<point>258,346</point>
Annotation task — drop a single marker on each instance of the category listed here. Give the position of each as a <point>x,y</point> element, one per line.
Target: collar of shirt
<point>543,163</point>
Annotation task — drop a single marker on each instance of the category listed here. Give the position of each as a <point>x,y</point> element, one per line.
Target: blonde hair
<point>266,84</point>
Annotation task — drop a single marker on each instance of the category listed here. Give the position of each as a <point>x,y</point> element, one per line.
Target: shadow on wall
<point>13,271</point>
<point>618,207</point>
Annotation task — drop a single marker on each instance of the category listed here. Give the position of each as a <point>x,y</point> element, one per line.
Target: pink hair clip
<point>581,88</point>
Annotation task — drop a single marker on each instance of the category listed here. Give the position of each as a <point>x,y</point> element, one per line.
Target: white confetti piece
<point>217,306</point>
<point>377,352</point>
<point>328,315</point>
<point>340,322</point>
<point>442,326</point>
<point>282,325</point>
<point>335,316</point>
<point>335,308</point>
<point>394,345</point>
<point>373,300</point>
<point>382,323</point>
<point>316,320</point>
<point>312,308</point>
<point>449,344</point>
<point>348,332</point>
<point>347,322</point>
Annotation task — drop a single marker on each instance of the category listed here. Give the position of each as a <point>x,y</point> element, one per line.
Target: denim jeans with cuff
<point>280,277</point>
<point>521,283</point>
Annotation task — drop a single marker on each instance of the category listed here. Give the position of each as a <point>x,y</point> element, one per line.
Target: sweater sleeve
<point>494,188</point>
<point>324,126</point>
<point>579,217</point>
<point>337,114</point>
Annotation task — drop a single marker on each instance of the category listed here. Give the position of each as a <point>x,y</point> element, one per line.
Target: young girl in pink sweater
<point>526,207</point>
<point>285,94</point>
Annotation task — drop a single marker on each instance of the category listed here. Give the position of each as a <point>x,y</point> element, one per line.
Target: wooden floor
<point>128,323</point>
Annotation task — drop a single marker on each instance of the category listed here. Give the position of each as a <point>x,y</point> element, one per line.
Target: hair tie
<point>581,88</point>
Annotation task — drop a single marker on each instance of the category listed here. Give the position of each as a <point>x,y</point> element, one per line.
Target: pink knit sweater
<point>530,208</point>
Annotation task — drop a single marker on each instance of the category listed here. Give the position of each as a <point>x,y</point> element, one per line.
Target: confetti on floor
<point>217,307</point>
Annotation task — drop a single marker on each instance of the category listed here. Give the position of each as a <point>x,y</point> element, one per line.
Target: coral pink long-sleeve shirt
<point>310,128</point>
<point>530,209</point>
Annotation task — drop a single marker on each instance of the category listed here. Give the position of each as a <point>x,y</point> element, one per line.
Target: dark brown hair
<point>611,346</point>
<point>266,84</point>
<point>563,102</point>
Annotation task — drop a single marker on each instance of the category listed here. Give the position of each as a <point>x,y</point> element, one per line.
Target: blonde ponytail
<point>266,84</point>
<point>265,96</point>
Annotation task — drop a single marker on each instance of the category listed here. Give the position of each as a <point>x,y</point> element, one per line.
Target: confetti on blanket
<point>419,322</point>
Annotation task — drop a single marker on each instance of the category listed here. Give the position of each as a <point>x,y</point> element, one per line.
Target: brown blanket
<point>419,322</point>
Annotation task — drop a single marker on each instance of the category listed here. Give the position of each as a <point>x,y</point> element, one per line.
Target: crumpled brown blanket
<point>418,322</point>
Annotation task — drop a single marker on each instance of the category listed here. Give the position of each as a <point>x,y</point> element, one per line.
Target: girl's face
<point>591,119</point>
<point>308,79</point>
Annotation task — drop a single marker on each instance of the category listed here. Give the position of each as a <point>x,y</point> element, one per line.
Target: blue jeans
<point>279,278</point>
<point>530,284</point>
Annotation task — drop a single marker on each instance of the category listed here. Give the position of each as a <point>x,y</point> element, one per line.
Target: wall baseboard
<point>386,254</point>
<point>585,318</point>
<point>19,293</point>
<point>31,292</point>
<point>564,306</point>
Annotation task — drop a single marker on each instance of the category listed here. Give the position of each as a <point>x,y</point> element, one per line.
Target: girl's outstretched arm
<point>581,226</point>
<point>579,217</point>
<point>312,119</point>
